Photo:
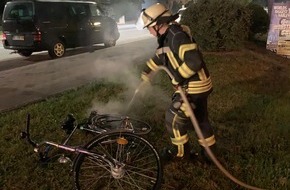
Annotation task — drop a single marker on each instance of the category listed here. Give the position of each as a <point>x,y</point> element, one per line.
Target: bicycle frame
<point>70,127</point>
<point>61,146</point>
<point>119,152</point>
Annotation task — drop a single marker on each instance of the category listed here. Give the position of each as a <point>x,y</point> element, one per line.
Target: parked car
<point>54,25</point>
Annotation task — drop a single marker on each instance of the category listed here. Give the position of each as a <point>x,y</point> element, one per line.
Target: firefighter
<point>179,53</point>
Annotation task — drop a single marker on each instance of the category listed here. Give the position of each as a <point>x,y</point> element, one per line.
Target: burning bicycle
<point>116,158</point>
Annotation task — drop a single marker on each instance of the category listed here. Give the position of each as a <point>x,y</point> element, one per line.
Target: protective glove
<point>147,77</point>
<point>174,84</point>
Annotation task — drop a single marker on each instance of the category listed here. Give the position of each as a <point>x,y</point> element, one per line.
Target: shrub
<point>217,24</point>
<point>259,20</point>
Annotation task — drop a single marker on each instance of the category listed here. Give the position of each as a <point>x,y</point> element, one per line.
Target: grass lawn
<point>249,110</point>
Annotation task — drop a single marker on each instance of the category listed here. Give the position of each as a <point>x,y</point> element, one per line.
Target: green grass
<point>249,110</point>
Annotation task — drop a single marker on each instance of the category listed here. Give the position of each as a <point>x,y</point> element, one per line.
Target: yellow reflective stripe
<point>210,141</point>
<point>183,107</point>
<point>205,82</point>
<point>174,129</point>
<point>152,65</point>
<point>186,47</point>
<point>163,50</point>
<point>195,87</point>
<point>185,71</point>
<point>199,89</point>
<point>180,152</point>
<point>172,60</point>
<point>180,140</point>
<point>176,133</point>
<point>202,75</point>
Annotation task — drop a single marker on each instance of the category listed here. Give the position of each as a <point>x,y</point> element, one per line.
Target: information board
<point>279,31</point>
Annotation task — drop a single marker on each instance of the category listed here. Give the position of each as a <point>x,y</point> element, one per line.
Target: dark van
<point>54,25</point>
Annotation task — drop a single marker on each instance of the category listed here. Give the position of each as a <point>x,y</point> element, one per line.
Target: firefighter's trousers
<point>178,122</point>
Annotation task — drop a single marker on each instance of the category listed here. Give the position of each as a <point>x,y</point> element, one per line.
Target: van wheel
<point>57,49</point>
<point>111,37</point>
<point>110,43</point>
<point>25,53</point>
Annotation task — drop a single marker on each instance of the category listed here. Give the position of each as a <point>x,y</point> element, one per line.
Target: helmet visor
<point>140,23</point>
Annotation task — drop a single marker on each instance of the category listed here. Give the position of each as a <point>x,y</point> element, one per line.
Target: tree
<point>218,25</point>
<point>263,3</point>
<point>172,5</point>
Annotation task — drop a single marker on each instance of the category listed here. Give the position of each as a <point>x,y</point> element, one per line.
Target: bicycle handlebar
<point>26,134</point>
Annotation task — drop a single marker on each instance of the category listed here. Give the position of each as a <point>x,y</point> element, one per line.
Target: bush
<point>259,20</point>
<point>218,24</point>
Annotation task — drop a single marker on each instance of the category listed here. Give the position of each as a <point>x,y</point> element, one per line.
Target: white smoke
<point>124,71</point>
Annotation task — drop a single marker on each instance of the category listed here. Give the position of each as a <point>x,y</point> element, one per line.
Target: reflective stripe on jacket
<point>180,54</point>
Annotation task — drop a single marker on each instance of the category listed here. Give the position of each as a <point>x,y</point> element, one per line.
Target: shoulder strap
<point>186,29</point>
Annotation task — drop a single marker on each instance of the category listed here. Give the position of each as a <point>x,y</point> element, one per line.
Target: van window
<point>50,11</point>
<point>79,10</point>
<point>19,11</point>
<point>94,10</point>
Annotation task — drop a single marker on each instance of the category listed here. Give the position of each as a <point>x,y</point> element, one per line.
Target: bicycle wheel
<point>135,164</point>
<point>110,122</point>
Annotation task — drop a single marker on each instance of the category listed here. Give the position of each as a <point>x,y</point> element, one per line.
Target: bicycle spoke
<point>93,181</point>
<point>131,184</point>
<point>139,183</point>
<point>138,165</point>
<point>104,150</point>
<point>97,165</point>
<point>147,172</point>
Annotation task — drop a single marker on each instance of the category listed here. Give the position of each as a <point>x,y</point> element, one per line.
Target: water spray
<point>135,93</point>
<point>141,85</point>
<point>197,130</point>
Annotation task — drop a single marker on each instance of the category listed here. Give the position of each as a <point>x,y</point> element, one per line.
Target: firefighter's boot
<point>173,153</point>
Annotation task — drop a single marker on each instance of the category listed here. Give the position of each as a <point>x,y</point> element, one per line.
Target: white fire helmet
<point>151,15</point>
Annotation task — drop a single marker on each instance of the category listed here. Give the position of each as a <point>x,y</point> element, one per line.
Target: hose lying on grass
<point>197,130</point>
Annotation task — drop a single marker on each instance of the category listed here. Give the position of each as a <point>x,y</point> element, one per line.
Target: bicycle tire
<point>111,122</point>
<point>140,161</point>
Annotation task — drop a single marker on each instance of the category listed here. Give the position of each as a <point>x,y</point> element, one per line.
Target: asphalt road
<point>26,80</point>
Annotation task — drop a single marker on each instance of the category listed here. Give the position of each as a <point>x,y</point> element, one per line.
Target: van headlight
<point>97,24</point>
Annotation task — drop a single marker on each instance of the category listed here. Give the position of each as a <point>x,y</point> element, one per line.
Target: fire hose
<point>199,133</point>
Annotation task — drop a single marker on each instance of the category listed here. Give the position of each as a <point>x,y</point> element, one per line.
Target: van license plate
<point>18,38</point>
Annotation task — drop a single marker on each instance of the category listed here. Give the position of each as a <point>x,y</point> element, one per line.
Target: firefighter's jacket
<point>179,53</point>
